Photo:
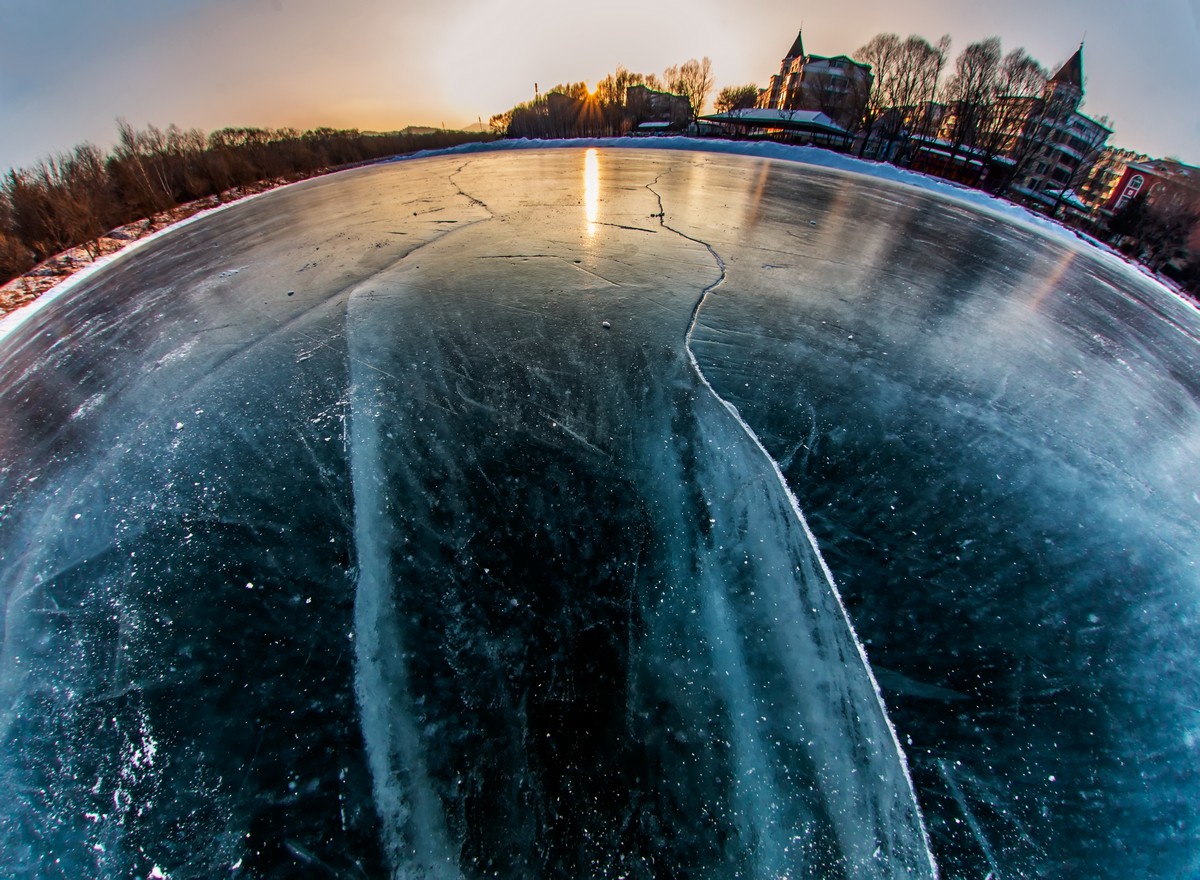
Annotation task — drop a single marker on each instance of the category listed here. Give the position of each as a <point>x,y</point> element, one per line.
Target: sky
<point>70,68</point>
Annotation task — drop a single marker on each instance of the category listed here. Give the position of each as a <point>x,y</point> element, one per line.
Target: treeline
<point>574,110</point>
<point>73,198</point>
<point>988,104</point>
<point>997,105</point>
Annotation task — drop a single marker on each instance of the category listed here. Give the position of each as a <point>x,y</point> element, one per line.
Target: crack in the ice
<point>574,264</point>
<point>623,226</point>
<point>969,816</point>
<point>597,275</point>
<point>793,500</point>
<point>470,198</point>
<point>687,339</point>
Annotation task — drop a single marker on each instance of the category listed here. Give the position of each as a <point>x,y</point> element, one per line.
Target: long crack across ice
<point>795,505</point>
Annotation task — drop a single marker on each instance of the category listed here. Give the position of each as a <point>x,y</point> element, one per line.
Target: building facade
<point>1107,174</point>
<point>1165,184</point>
<point>1052,145</point>
<point>644,104</point>
<point>837,86</point>
<point>1170,190</point>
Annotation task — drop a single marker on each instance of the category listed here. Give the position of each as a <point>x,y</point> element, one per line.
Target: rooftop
<point>1071,73</point>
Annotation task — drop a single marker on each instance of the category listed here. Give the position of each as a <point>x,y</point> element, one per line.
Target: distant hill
<point>409,130</point>
<point>430,129</point>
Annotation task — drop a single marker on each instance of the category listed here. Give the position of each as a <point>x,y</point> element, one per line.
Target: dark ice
<point>598,513</point>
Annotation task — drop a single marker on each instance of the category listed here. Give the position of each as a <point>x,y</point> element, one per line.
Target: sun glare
<point>591,188</point>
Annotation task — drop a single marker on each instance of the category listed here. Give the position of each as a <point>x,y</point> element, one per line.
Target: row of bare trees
<point>988,103</point>
<point>73,198</point>
<point>910,95</point>
<point>574,110</point>
<point>998,105</point>
<point>693,80</point>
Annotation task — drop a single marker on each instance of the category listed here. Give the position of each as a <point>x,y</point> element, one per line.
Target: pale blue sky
<point>69,68</point>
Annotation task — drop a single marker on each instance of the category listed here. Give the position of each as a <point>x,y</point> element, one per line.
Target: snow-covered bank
<point>9,322</point>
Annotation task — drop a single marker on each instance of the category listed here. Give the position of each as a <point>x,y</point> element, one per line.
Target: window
<point>1131,189</point>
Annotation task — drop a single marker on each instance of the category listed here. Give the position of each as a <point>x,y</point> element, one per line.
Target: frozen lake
<point>602,512</point>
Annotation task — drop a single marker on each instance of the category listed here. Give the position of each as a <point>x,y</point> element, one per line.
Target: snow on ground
<point>75,267</point>
<point>806,155</point>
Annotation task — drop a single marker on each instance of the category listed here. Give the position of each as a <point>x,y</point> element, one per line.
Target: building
<point>1036,148</point>
<point>797,126</point>
<point>1051,144</point>
<point>645,105</point>
<point>1165,184</point>
<point>1107,174</point>
<point>837,86</point>
<point>1170,192</point>
<point>1154,212</point>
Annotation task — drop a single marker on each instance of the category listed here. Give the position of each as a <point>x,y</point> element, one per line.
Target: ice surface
<point>484,514</point>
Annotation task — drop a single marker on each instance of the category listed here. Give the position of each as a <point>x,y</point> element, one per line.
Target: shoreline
<point>17,295</point>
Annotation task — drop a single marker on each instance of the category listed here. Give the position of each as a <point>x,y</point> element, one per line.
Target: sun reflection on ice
<point>591,188</point>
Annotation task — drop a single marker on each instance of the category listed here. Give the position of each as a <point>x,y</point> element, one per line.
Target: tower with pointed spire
<point>835,85</point>
<point>1065,88</point>
<point>1052,145</point>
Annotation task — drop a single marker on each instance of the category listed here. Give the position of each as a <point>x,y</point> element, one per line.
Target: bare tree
<point>693,79</point>
<point>882,52</point>
<point>500,122</point>
<point>61,202</point>
<point>733,98</point>
<point>15,256</point>
<point>611,93</point>
<point>138,170</point>
<point>611,89</point>
<point>1155,235</point>
<point>969,92</point>
<point>907,74</point>
<point>83,200</point>
<point>1019,85</point>
<point>929,62</point>
<point>1047,116</point>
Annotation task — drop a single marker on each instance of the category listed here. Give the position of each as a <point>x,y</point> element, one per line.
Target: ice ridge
<point>795,505</point>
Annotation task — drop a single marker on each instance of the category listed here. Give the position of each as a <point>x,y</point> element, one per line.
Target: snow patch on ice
<point>88,405</point>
